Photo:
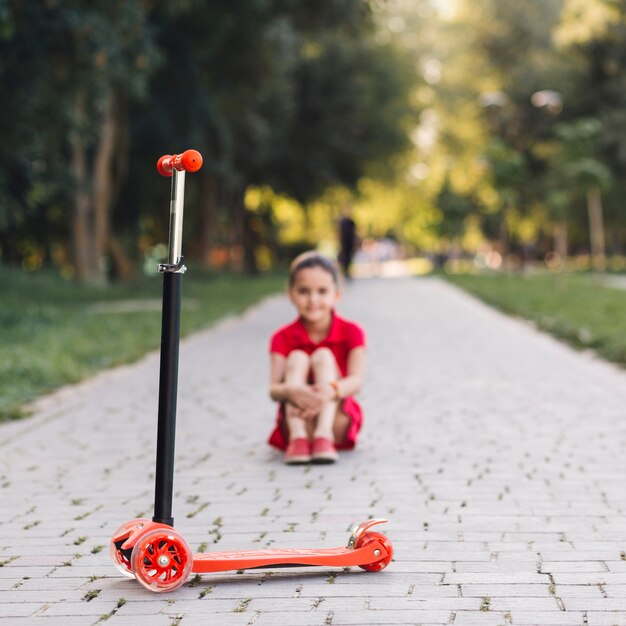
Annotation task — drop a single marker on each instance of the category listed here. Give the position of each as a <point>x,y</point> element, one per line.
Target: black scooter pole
<point>173,271</point>
<point>168,386</point>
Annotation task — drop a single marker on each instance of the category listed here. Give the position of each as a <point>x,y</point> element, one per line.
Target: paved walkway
<point>498,455</point>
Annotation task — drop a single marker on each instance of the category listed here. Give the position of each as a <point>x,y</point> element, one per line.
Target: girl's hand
<point>308,413</point>
<point>304,402</point>
<point>321,394</point>
<point>303,397</point>
<point>326,392</point>
<point>307,401</point>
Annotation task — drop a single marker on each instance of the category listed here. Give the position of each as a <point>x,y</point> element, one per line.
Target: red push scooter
<point>155,553</point>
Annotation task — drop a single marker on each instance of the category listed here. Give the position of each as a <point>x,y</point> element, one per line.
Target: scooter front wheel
<point>384,542</point>
<point>162,560</point>
<point>121,558</point>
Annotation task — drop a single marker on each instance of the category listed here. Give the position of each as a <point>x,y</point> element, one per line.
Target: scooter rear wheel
<point>162,560</point>
<point>369,537</point>
<point>121,558</point>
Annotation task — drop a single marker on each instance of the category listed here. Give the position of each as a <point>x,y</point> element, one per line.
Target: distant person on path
<point>317,365</point>
<point>347,240</point>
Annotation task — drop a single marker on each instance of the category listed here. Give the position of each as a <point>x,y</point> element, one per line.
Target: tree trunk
<point>560,239</point>
<point>81,226</point>
<point>123,266</point>
<point>103,186</point>
<point>209,191</point>
<point>596,229</point>
<point>237,229</point>
<point>92,203</point>
<point>503,240</point>
<point>250,240</point>
<point>10,254</point>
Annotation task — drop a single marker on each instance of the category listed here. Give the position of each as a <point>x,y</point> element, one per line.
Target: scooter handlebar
<point>188,161</point>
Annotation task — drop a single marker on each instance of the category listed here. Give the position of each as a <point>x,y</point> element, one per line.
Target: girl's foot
<point>323,451</point>
<point>298,452</point>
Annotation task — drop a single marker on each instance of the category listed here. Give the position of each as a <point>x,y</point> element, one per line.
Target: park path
<point>498,455</point>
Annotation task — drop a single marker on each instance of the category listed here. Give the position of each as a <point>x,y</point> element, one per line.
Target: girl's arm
<point>351,384</point>
<point>279,391</point>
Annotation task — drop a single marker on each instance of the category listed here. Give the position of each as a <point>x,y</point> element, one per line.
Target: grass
<point>52,333</point>
<point>578,308</point>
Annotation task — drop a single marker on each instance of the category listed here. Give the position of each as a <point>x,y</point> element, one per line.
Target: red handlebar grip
<point>188,161</point>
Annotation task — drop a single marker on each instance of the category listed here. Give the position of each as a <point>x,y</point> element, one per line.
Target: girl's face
<point>314,294</point>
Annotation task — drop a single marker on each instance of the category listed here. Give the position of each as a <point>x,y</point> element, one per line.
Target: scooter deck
<point>288,557</point>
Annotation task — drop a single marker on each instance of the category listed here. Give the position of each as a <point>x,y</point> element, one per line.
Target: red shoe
<point>298,452</point>
<point>323,451</point>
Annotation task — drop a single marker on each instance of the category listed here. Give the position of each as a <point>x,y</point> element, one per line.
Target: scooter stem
<point>176,217</point>
<point>170,338</point>
<point>168,387</point>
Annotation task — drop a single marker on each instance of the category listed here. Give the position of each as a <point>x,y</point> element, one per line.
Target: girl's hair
<point>313,259</point>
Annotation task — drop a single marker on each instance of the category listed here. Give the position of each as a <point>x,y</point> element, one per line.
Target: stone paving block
<point>512,590</point>
<point>453,555</point>
<point>597,604</point>
<point>365,618</point>
<point>85,608</point>
<point>132,608</point>
<point>552,618</point>
<point>149,620</point>
<point>480,618</point>
<point>386,577</point>
<point>273,618</point>
<point>499,578</point>
<point>579,555</point>
<point>225,619</point>
<point>518,558</point>
<point>512,605</point>
<point>208,605</point>
<point>15,609</point>
<point>17,573</point>
<point>321,590</point>
<point>21,596</point>
<point>65,620</point>
<point>582,591</point>
<point>491,567</point>
<point>421,592</point>
<point>452,603</point>
<point>571,567</point>
<point>48,584</point>
<point>609,618</point>
<point>590,578</point>
<point>309,604</point>
<point>427,567</point>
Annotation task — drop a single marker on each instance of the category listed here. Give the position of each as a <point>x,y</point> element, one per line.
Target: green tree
<point>599,93</point>
<point>579,154</point>
<point>65,126</point>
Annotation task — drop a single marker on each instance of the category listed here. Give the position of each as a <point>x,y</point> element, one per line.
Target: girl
<point>317,365</point>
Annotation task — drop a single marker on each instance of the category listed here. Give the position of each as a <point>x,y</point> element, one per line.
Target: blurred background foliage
<point>454,128</point>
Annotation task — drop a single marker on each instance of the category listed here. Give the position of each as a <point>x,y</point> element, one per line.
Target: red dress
<point>343,336</point>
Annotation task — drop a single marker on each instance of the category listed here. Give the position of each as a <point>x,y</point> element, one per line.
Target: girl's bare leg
<point>331,422</point>
<point>297,372</point>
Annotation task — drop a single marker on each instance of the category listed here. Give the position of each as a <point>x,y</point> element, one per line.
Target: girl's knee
<point>297,358</point>
<point>323,357</point>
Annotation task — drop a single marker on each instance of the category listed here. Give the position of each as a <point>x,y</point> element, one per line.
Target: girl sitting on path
<point>317,365</point>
